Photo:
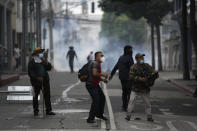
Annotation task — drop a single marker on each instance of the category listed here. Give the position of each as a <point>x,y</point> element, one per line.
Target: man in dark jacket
<point>123,65</point>
<point>39,77</point>
<point>71,55</point>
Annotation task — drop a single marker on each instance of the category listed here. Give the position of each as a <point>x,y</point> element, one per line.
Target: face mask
<point>102,59</point>
<point>141,61</point>
<point>41,56</point>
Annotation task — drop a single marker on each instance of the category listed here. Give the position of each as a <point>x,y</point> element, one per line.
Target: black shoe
<point>150,119</point>
<point>103,118</point>
<point>35,113</point>
<point>128,118</point>
<point>124,109</point>
<point>50,113</point>
<point>194,95</point>
<point>91,121</point>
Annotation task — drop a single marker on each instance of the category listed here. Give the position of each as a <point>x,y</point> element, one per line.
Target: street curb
<point>184,87</point>
<point>9,79</point>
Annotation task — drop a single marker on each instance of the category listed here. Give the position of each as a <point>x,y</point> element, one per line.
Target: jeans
<point>98,101</point>
<point>146,98</point>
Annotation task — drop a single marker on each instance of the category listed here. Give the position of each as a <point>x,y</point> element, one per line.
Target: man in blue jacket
<point>123,65</point>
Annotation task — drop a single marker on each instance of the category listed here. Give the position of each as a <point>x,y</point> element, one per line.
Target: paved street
<point>173,108</point>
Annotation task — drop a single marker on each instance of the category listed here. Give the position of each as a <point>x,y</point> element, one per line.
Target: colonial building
<point>6,34</point>
<point>173,45</point>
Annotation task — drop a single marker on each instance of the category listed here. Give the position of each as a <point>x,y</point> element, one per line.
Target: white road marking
<point>103,124</point>
<point>65,92</point>
<point>146,126</point>
<point>188,105</point>
<point>164,110</point>
<point>193,125</point>
<point>167,113</point>
<point>71,111</point>
<point>157,127</point>
<point>111,115</point>
<point>171,126</point>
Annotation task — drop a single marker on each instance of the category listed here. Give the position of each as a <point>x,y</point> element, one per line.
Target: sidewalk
<point>175,78</point>
<point>8,78</point>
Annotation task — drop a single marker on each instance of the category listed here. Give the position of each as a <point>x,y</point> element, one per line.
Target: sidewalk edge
<point>184,87</point>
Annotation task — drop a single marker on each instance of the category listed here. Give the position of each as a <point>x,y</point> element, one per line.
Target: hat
<point>71,47</point>
<point>37,51</point>
<point>138,55</point>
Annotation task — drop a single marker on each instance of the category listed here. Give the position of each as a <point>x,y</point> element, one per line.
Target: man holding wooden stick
<point>38,68</point>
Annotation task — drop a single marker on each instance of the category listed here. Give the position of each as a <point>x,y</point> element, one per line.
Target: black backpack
<point>83,73</point>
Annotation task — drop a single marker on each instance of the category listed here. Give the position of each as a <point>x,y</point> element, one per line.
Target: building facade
<point>6,34</point>
<point>174,46</point>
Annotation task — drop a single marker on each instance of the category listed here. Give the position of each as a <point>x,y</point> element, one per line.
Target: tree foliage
<point>152,10</point>
<point>122,29</point>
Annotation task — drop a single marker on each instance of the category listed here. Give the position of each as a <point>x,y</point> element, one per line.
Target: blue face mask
<point>141,61</point>
<point>41,55</point>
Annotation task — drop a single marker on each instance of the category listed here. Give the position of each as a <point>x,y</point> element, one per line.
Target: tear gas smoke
<point>84,37</point>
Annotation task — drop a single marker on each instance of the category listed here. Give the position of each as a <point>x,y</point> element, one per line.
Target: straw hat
<point>37,50</point>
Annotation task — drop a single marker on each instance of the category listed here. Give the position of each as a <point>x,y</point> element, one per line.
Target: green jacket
<point>141,70</point>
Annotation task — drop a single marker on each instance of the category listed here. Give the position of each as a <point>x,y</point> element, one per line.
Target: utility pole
<point>38,22</point>
<point>24,34</point>
<point>51,23</point>
<point>186,73</point>
<point>153,45</point>
<point>31,9</point>
<point>160,67</point>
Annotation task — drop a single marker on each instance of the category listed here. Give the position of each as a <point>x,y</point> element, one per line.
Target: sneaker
<point>103,118</point>
<point>91,121</point>
<point>194,95</point>
<point>50,113</point>
<point>128,118</point>
<point>150,119</point>
<point>137,118</point>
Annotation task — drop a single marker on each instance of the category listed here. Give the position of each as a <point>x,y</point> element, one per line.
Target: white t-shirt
<point>17,52</point>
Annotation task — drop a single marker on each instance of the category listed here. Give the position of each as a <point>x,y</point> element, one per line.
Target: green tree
<point>152,10</point>
<point>122,29</point>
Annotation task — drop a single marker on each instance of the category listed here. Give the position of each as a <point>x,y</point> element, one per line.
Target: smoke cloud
<point>84,37</point>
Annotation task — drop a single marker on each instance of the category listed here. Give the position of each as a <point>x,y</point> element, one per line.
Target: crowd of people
<point>136,80</point>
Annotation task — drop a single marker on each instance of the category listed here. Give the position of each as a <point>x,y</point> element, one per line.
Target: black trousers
<point>98,101</point>
<point>47,96</point>
<point>17,62</point>
<point>71,65</point>
<point>195,92</point>
<point>126,92</point>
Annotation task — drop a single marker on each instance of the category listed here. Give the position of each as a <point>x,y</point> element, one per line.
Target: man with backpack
<point>123,65</point>
<point>92,78</point>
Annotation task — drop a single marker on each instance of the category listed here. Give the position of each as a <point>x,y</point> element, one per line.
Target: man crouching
<point>143,76</point>
<point>38,68</point>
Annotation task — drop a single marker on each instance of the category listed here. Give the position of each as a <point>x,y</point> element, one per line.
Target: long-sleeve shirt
<point>123,65</point>
<point>138,71</point>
